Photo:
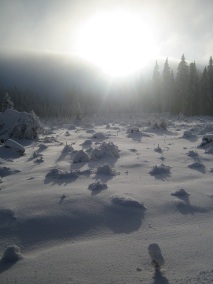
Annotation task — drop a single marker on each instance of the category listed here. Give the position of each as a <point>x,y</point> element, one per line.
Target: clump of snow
<point>20,125</point>
<point>67,149</point>
<point>192,153</point>
<point>105,149</point>
<point>97,186</point>
<point>127,202</point>
<point>12,254</point>
<point>180,193</point>
<point>162,169</point>
<point>60,174</point>
<point>98,135</point>
<point>49,139</point>
<point>67,133</point>
<point>42,146</point>
<point>105,170</point>
<point>80,156</point>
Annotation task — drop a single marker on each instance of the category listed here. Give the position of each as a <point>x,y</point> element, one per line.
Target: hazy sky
<point>183,26</point>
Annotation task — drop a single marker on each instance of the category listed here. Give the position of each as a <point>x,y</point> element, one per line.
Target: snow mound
<point>158,149</point>
<point>196,165</point>
<point>98,135</point>
<point>162,169</point>
<point>207,129</point>
<point>7,216</point>
<point>105,149</point>
<point>105,170</point>
<point>127,202</point>
<point>210,149</point>
<point>207,139</point>
<point>80,156</point>
<point>67,149</point>
<point>155,254</point>
<point>180,193</point>
<point>15,146</point>
<point>133,129</point>
<point>5,171</point>
<point>20,125</point>
<point>188,134</point>
<point>12,254</point>
<point>42,146</point>
<point>87,142</point>
<point>192,153</point>
<point>59,174</point>
<point>97,186</point>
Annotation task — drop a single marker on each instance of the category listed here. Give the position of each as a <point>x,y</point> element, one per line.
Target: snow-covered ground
<point>90,202</point>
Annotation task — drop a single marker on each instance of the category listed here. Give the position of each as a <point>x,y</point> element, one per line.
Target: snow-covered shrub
<point>105,149</point>
<point>59,174</point>
<point>158,149</point>
<point>105,170</point>
<point>12,254</point>
<point>97,186</point>
<point>20,125</point>
<point>180,193</point>
<point>80,156</point>
<point>162,169</point>
<point>192,153</point>
<point>196,165</point>
<point>188,134</point>
<point>159,124</point>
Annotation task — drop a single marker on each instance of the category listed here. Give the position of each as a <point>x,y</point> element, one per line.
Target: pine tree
<point>210,75</point>
<point>193,89</point>
<point>182,78</point>
<point>156,88</point>
<point>204,95</point>
<point>7,103</point>
<point>166,87</point>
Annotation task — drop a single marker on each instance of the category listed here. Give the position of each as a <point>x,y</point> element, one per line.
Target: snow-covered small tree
<point>7,103</point>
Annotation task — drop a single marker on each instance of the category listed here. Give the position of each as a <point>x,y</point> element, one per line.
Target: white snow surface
<point>55,230</point>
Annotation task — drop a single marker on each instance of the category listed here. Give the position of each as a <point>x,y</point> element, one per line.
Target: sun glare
<point>120,43</point>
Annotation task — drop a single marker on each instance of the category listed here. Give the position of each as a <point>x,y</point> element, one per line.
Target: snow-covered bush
<point>105,149</point>
<point>80,156</point>
<point>208,138</point>
<point>162,169</point>
<point>12,254</point>
<point>98,135</point>
<point>20,125</point>
<point>97,186</point>
<point>60,174</point>
<point>159,124</point>
<point>127,202</point>
<point>105,170</point>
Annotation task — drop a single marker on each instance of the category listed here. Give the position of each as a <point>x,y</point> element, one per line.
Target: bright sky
<point>116,35</point>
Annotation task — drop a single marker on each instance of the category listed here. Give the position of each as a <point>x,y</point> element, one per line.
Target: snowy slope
<point>92,219</point>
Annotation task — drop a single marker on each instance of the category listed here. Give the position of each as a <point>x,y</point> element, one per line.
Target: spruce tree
<point>182,78</point>
<point>210,75</point>
<point>7,103</point>
<point>166,87</point>
<point>204,95</point>
<point>156,88</point>
<point>193,89</point>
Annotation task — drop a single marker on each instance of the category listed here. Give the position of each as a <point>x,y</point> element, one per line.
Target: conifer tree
<point>204,94</point>
<point>210,75</point>
<point>182,78</point>
<point>166,87</point>
<point>156,88</point>
<point>193,89</point>
<point>7,103</point>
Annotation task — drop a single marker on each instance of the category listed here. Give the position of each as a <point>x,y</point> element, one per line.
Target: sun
<point>118,42</point>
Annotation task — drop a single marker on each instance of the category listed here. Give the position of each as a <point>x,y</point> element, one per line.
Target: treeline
<point>188,91</point>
